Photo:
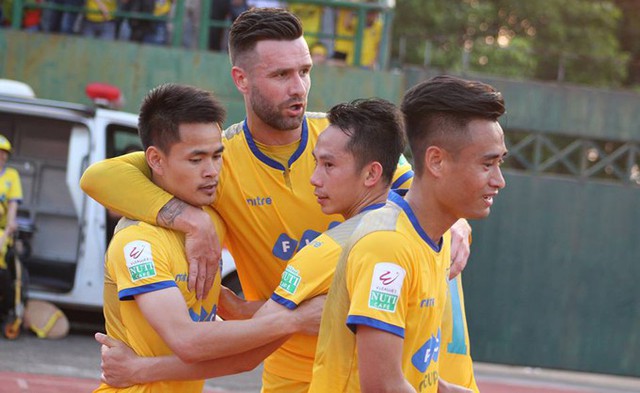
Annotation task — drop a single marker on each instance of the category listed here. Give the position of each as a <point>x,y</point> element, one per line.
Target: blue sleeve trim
<point>129,293</point>
<point>406,176</point>
<point>354,320</point>
<point>284,302</point>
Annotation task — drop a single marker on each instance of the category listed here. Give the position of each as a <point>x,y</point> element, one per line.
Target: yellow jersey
<point>92,5</point>
<point>391,277</point>
<point>456,365</point>
<point>309,274</point>
<point>269,209</point>
<point>142,258</point>
<point>347,25</point>
<point>10,190</point>
<point>311,17</point>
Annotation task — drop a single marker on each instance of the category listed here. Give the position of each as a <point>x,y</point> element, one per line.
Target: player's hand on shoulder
<point>460,246</point>
<point>308,315</point>
<point>203,253</point>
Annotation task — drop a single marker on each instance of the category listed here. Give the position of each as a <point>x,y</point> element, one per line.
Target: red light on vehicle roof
<point>104,94</point>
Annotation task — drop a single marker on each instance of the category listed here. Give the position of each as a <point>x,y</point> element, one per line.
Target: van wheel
<point>233,282</point>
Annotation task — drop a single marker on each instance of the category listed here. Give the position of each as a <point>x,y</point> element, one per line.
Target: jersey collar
<point>304,137</point>
<point>396,196</point>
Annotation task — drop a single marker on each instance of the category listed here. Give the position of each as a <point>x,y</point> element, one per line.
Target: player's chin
<point>204,198</point>
<point>327,208</point>
<point>478,214</point>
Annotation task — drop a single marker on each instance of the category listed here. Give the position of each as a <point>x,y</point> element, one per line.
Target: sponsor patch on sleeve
<point>139,260</point>
<point>290,280</point>
<point>386,284</point>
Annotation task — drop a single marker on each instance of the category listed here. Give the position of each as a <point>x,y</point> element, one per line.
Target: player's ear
<point>155,159</point>
<point>239,77</point>
<point>372,173</point>
<point>434,158</point>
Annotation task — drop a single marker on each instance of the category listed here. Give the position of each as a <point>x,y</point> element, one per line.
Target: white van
<point>66,231</point>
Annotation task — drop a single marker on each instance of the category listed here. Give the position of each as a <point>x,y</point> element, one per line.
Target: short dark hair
<point>438,110</point>
<point>168,106</point>
<point>259,24</point>
<point>376,132</point>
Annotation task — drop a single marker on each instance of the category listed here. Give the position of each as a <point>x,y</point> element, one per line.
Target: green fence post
<point>178,24</point>
<point>384,52</point>
<point>357,53</point>
<point>203,33</point>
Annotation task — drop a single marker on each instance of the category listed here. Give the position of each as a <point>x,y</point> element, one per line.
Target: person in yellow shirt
<point>147,304</point>
<point>347,25</point>
<point>381,325</point>
<point>356,158</point>
<point>264,200</point>
<point>99,21</point>
<point>10,198</point>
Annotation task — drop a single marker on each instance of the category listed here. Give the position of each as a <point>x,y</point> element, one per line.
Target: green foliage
<point>571,40</point>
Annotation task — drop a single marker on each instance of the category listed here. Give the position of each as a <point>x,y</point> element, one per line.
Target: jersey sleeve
<point>379,280</point>
<point>309,273</point>
<point>218,223</point>
<point>123,184</point>
<point>403,176</point>
<point>138,263</point>
<point>14,193</point>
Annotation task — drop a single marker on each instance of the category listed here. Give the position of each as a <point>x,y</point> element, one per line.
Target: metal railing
<point>177,20</point>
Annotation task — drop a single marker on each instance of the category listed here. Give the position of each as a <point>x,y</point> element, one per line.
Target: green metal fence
<point>176,19</point>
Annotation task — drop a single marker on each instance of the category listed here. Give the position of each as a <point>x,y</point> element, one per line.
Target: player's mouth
<point>488,198</point>
<point>320,198</point>
<point>296,109</point>
<point>208,188</point>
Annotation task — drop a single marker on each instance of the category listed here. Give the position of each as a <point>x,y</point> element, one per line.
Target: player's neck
<point>267,135</point>
<point>371,198</point>
<point>433,219</point>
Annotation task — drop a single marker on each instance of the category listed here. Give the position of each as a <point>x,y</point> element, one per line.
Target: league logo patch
<point>139,260</point>
<point>290,280</point>
<point>386,284</point>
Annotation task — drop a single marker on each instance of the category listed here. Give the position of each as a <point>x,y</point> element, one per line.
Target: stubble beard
<point>270,114</point>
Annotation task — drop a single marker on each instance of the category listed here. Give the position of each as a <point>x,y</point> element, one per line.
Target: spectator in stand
<point>347,25</point>
<point>158,32</point>
<point>191,24</point>
<point>318,53</point>
<point>99,20</point>
<point>30,17</point>
<point>69,19</point>
<point>311,17</point>
<point>224,10</point>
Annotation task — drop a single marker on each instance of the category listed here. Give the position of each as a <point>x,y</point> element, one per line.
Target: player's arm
<point>123,184</point>
<point>380,361</point>
<point>121,367</point>
<point>460,246</point>
<point>192,342</point>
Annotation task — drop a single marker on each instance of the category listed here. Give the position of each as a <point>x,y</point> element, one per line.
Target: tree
<point>570,40</point>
